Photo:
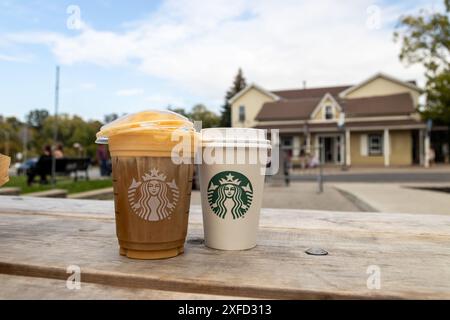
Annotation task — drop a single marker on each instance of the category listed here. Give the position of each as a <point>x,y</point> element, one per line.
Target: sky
<point>126,56</point>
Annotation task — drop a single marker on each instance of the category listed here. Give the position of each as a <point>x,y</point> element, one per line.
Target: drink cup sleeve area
<point>4,167</point>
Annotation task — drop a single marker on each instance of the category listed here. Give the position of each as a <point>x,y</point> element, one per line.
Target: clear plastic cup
<point>151,190</point>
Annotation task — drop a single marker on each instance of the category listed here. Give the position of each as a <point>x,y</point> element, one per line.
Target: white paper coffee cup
<point>232,182</point>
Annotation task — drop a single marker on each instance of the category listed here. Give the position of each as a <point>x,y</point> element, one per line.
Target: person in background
<point>58,153</point>
<point>39,170</point>
<point>432,156</point>
<point>445,152</point>
<point>314,161</point>
<point>287,164</point>
<point>103,160</point>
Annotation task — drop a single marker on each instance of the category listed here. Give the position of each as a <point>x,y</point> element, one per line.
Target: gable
<point>251,89</point>
<point>381,85</point>
<point>252,100</point>
<point>326,101</point>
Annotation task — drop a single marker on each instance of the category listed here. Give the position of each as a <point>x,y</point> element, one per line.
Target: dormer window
<point>328,112</point>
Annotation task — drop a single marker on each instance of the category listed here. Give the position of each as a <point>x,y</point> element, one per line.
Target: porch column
<point>427,150</point>
<point>317,147</point>
<point>348,160</point>
<point>387,147</point>
<point>421,148</point>
<point>296,146</point>
<point>308,142</point>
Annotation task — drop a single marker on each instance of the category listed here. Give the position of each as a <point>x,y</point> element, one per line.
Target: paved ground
<point>300,196</point>
<point>400,198</point>
<point>439,174</point>
<point>359,189</point>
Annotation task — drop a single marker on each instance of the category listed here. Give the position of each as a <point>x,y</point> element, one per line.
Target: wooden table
<point>40,238</point>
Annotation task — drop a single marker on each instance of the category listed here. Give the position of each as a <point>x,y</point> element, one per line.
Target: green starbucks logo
<point>230,191</point>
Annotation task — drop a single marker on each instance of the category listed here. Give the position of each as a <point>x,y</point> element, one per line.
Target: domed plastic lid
<point>235,137</point>
<point>149,120</point>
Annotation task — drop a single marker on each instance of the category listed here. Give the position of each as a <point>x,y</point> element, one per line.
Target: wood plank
<point>414,264</point>
<point>26,288</point>
<point>399,224</point>
<point>10,191</point>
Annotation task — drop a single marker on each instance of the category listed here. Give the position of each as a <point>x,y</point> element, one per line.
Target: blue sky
<point>132,55</point>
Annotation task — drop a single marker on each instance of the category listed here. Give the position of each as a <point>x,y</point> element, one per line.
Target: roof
<point>288,109</point>
<point>310,92</point>
<point>332,126</point>
<point>396,104</point>
<point>301,109</point>
<point>253,86</point>
<point>408,84</point>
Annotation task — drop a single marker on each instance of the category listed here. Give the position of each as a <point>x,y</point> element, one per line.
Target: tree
<point>238,84</point>
<point>201,113</point>
<point>425,39</point>
<point>110,117</point>
<point>36,118</point>
<point>179,111</point>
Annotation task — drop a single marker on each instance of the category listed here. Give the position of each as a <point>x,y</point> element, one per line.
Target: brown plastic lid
<point>149,120</point>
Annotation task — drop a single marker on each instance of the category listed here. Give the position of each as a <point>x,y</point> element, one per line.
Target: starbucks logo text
<point>153,199</point>
<point>230,192</point>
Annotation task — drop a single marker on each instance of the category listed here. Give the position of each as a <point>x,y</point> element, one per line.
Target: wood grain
<point>24,288</point>
<point>41,238</point>
<point>11,191</point>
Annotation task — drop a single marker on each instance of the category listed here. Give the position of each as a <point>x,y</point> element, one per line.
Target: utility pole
<point>55,126</point>
<point>25,142</point>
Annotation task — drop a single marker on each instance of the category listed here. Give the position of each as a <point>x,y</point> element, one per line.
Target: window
<point>375,144</point>
<point>287,142</point>
<point>328,112</point>
<point>241,113</point>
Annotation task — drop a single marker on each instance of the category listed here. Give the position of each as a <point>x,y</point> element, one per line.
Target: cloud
<point>159,100</point>
<point>129,92</point>
<point>11,58</point>
<point>88,86</point>
<point>197,46</point>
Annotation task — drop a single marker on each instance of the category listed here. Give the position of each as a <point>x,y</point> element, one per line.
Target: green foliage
<point>110,117</point>
<point>61,183</point>
<point>425,39</point>
<point>180,111</point>
<point>200,113</point>
<point>239,83</point>
<point>10,142</point>
<point>36,118</point>
<point>39,132</point>
<point>71,130</point>
<point>438,99</point>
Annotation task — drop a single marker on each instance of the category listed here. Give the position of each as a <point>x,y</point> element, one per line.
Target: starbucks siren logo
<point>230,191</point>
<point>153,198</point>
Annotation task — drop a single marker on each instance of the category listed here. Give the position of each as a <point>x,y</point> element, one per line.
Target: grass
<point>61,183</point>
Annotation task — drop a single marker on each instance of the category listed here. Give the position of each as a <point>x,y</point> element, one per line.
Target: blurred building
<point>374,122</point>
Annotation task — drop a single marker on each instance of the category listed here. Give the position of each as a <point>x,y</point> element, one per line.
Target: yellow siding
<point>253,101</point>
<point>355,149</point>
<point>401,147</point>
<point>381,87</point>
<point>320,115</point>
